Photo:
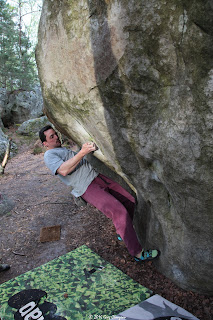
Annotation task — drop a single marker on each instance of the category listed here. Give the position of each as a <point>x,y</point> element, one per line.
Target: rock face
<point>19,106</point>
<point>32,126</point>
<point>3,103</point>
<point>137,78</point>
<point>4,140</point>
<point>3,144</point>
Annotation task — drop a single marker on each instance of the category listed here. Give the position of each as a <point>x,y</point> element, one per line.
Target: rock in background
<point>32,126</point>
<point>20,105</point>
<point>3,105</point>
<point>137,78</point>
<point>4,140</point>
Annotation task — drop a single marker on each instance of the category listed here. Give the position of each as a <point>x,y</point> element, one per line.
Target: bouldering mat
<point>78,285</point>
<point>155,308</point>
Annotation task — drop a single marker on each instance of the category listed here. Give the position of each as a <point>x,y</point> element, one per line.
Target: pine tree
<point>17,62</point>
<point>7,49</point>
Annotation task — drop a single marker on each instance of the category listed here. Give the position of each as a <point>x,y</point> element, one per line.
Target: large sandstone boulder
<point>137,78</point>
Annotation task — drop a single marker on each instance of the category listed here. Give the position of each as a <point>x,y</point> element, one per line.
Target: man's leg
<point>98,195</point>
<point>120,194</point>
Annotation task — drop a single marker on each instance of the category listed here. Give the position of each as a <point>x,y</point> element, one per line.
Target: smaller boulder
<point>20,105</point>
<point>32,126</point>
<point>3,104</point>
<point>3,145</point>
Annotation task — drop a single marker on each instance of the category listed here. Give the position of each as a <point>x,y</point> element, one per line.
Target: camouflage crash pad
<point>77,285</point>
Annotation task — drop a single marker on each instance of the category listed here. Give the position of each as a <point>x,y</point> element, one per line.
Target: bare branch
<point>29,13</point>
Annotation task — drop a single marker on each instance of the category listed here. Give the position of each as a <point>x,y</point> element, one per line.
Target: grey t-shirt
<point>80,178</point>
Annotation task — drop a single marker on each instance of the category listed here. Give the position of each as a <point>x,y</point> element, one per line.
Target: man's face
<point>52,140</point>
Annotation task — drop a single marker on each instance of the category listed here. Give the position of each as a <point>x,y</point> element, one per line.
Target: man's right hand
<point>88,147</point>
<point>69,165</point>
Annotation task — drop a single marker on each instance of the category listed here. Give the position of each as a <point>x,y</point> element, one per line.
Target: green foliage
<point>37,150</point>
<point>18,68</point>
<point>77,293</point>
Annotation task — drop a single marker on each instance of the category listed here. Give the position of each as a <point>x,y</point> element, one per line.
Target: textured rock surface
<point>3,144</point>
<point>19,106</point>
<point>32,126</point>
<point>4,140</point>
<point>137,77</point>
<point>3,103</point>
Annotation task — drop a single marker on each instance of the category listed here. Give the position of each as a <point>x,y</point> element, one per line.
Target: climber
<point>4,267</point>
<point>98,190</point>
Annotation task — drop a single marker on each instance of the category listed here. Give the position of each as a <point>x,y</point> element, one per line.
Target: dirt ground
<point>41,200</point>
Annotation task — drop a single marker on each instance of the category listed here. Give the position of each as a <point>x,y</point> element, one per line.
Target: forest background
<point>19,21</point>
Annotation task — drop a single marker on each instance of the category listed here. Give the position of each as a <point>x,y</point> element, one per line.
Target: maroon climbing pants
<point>118,205</point>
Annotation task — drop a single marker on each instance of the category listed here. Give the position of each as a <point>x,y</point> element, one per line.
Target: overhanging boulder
<point>136,77</point>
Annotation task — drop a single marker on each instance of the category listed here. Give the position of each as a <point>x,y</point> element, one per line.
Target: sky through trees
<point>18,36</point>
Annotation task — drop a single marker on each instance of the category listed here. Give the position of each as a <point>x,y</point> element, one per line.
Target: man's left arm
<point>68,166</point>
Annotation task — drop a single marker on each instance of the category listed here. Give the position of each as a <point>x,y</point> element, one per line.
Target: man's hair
<point>42,136</point>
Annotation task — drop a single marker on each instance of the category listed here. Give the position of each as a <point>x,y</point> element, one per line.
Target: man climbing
<point>98,190</point>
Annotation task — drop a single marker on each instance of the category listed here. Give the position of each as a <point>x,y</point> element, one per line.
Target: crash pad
<point>155,308</point>
<point>77,285</point>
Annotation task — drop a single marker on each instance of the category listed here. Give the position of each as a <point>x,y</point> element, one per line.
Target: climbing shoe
<point>119,237</point>
<point>4,267</point>
<point>147,255</point>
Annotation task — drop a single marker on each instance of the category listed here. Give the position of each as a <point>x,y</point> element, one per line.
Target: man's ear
<point>45,144</point>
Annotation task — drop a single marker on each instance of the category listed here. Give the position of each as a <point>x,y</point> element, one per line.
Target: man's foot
<point>147,255</point>
<point>4,267</point>
<point>119,237</point>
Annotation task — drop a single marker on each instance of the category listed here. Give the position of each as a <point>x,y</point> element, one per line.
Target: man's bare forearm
<point>70,165</point>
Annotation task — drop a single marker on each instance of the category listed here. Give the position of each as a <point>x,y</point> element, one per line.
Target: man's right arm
<point>70,165</point>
